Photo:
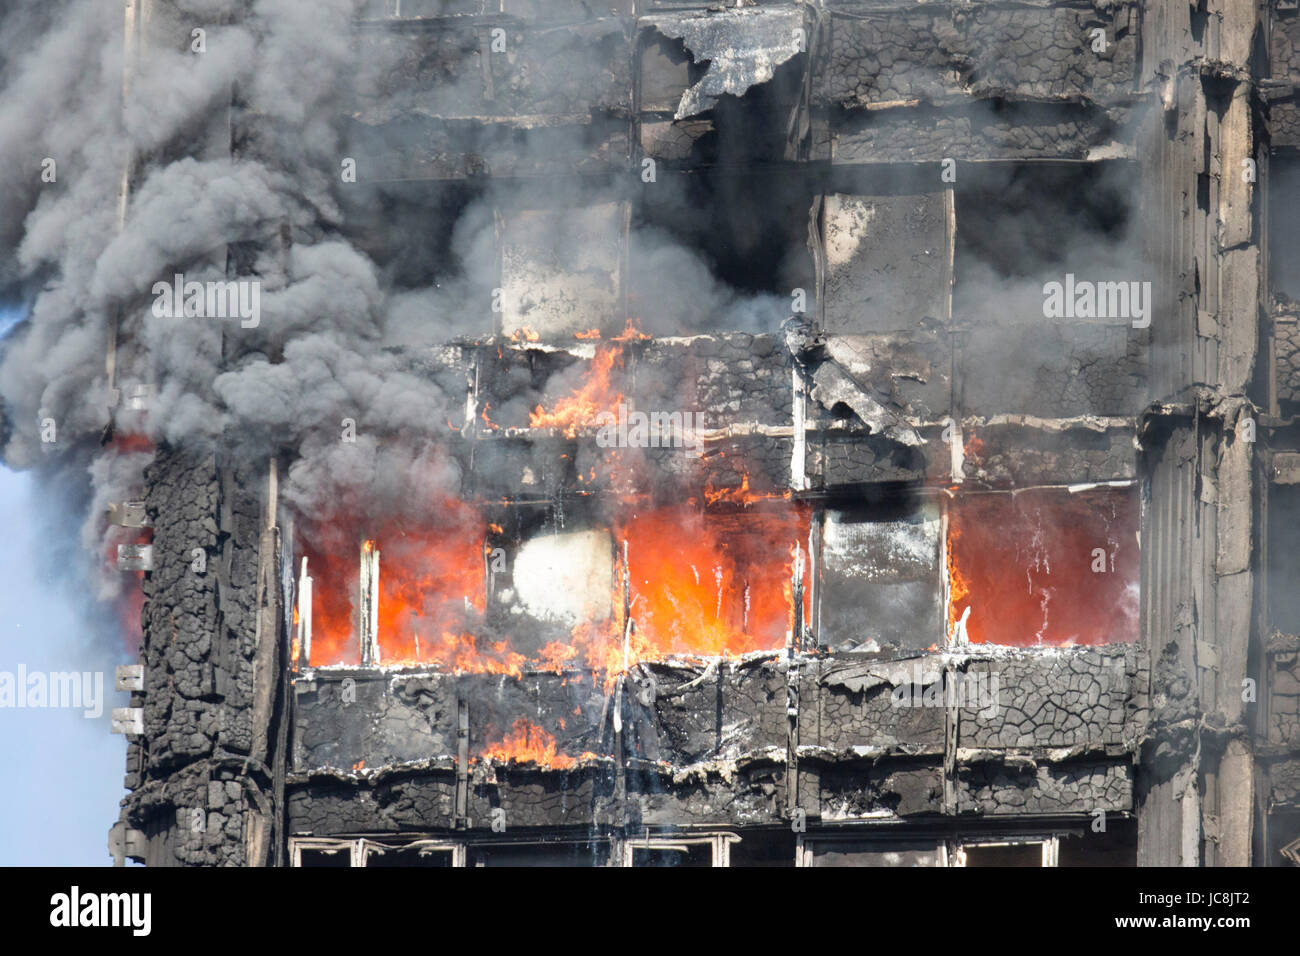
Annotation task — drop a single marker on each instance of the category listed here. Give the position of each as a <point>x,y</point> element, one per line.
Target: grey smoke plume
<point>232,158</point>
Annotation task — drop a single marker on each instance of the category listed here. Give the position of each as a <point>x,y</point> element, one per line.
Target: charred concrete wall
<point>200,775</point>
<point>886,737</point>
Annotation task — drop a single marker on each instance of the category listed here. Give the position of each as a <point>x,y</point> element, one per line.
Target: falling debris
<point>742,47</point>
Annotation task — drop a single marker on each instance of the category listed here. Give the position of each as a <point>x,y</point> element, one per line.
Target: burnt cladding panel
<point>888,260</point>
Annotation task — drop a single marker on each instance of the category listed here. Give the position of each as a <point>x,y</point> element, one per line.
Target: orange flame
<point>432,593</point>
<point>700,584</point>
<point>595,395</point>
<point>1027,567</point>
<point>710,584</point>
<point>528,743</point>
<point>958,589</point>
<point>631,333</point>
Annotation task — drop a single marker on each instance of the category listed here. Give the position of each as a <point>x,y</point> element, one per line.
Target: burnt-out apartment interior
<point>772,517</point>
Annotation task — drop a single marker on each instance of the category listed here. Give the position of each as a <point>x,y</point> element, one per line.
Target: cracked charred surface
<point>1284,690</point>
<point>1016,130</point>
<point>199,790</point>
<point>705,743</point>
<point>1286,333</point>
<point>938,52</point>
<point>994,789</point>
<point>1012,455</point>
<point>1061,370</point>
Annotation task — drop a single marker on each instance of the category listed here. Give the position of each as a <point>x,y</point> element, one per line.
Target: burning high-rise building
<point>655,433</point>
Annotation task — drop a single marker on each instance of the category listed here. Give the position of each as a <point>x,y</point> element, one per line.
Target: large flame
<point>711,584</point>
<point>526,742</point>
<point>699,584</point>
<point>1044,568</point>
<point>431,593</point>
<point>596,394</point>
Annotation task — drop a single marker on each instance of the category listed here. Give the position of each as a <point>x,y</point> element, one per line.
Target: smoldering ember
<point>390,600</point>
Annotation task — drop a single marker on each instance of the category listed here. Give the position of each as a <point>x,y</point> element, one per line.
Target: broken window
<point>393,593</point>
<point>1044,567</point>
<point>562,270</point>
<point>1022,232</point>
<point>757,847</point>
<point>321,856</point>
<point>1283,558</point>
<point>670,854</point>
<point>552,581</point>
<point>851,852</point>
<point>880,582</point>
<point>718,252</point>
<point>421,853</point>
<point>688,850</point>
<point>1116,845</point>
<point>1020,226</point>
<point>712,582</point>
<point>1028,851</point>
<point>317,851</point>
<point>557,853</point>
<point>1283,228</point>
<point>394,223</point>
<point>469,594</point>
<point>1283,836</point>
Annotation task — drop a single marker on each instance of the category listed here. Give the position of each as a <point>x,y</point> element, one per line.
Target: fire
<point>528,743</point>
<point>1044,568</point>
<point>710,584</point>
<point>125,443</point>
<point>432,593</point>
<point>958,589</point>
<point>631,333</point>
<point>595,395</point>
<point>129,602</point>
<point>700,584</point>
<point>589,334</point>
<point>555,656</point>
<point>741,495</point>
